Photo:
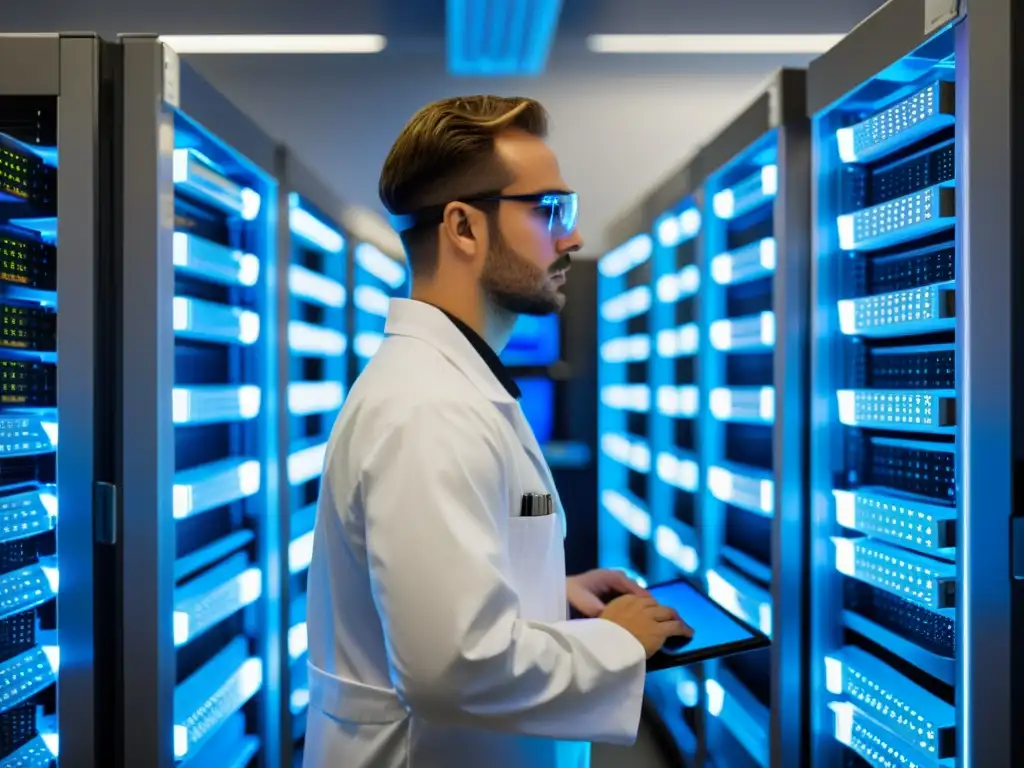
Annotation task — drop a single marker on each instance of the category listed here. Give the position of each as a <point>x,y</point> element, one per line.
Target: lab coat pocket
<point>537,557</point>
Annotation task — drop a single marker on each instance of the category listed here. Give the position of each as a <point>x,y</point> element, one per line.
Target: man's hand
<point>589,592</point>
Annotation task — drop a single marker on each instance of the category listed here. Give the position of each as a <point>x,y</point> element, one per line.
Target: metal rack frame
<point>71,69</point>
<point>301,189</point>
<point>986,43</point>
<point>774,123</point>
<point>156,88</point>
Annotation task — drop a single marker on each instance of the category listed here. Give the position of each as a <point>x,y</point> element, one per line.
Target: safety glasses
<point>559,210</point>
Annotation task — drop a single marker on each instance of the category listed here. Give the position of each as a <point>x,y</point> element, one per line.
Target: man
<point>437,598</point>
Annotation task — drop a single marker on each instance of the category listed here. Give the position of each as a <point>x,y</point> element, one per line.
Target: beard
<point>517,286</point>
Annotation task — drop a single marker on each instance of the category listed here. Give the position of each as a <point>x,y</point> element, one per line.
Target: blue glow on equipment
<point>500,38</point>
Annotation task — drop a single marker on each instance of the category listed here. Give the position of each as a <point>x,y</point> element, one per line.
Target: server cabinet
<point>624,454</point>
<point>312,377</point>
<point>376,278</point>
<point>916,433</point>
<point>672,213</point>
<point>755,248</point>
<point>200,539</point>
<point>51,242</point>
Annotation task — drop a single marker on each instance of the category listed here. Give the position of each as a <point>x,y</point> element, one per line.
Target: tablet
<point>716,632</point>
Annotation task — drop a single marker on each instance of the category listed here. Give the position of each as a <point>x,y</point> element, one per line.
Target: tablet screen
<point>716,632</point>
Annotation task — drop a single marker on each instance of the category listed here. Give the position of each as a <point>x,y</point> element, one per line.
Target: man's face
<point>528,261</point>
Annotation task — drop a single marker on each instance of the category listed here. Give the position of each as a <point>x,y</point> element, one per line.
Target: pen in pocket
<point>536,505</point>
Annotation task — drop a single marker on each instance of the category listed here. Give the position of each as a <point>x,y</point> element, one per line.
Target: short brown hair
<point>446,151</point>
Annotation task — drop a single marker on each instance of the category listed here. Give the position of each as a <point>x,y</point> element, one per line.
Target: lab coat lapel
<point>529,442</point>
<point>422,321</point>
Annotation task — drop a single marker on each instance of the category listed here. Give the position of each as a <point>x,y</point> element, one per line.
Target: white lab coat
<point>437,617</point>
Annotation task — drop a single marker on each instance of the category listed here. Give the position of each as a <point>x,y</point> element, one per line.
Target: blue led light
<point>629,513</point>
<point>740,597</point>
<point>679,285</point>
<point>669,544</point>
<point>213,693</point>
<point>627,397</point>
<point>627,304</point>
<point>314,287</point>
<point>315,232</point>
<point>212,322</point>
<point>909,410</point>
<point>28,514</point>
<point>629,255</point>
<point>915,523</point>
<point>678,470</point>
<point>675,229</point>
<point>371,300</point>
<point>309,397</point>
<point>926,309</point>
<point>213,597</point>
<point>875,743</point>
<point>367,343</point>
<point>753,333</point>
<point>500,38</point>
<point>918,717</point>
<point>751,262</point>
<point>38,753</point>
<point>678,402</point>
<point>909,120</point>
<point>383,267</point>
<point>752,192</point>
<point>750,405</point>
<point>217,484</point>
<point>215,403</point>
<point>306,463</point>
<point>629,451</point>
<point>214,262</point>
<point>315,340</point>
<point>898,221</point>
<point>917,578</point>
<point>626,349</point>
<point>196,174</point>
<point>746,488</point>
<point>683,341</point>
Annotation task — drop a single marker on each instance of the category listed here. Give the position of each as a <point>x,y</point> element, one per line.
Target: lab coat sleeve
<point>436,500</point>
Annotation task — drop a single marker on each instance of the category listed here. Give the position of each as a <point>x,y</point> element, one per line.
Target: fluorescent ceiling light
<point>704,44</point>
<point>275,43</point>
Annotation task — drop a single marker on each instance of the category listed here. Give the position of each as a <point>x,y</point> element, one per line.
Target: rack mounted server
<point>201,544</point>
<point>624,350</point>
<point>313,377</point>
<point>376,278</point>
<point>51,205</point>
<point>915,426</point>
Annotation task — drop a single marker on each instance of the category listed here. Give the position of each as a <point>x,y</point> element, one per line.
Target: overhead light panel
<point>713,44</point>
<point>323,44</point>
<point>500,38</point>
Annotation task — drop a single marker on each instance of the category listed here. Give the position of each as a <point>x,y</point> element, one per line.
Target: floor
<point>645,753</point>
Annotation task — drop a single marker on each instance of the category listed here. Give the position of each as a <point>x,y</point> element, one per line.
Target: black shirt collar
<point>501,373</point>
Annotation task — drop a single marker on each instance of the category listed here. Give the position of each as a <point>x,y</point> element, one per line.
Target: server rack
<point>51,241</point>
<point>672,212</point>
<point>624,349</point>
<point>916,434</point>
<point>200,538</point>
<point>755,251</point>
<point>312,383</point>
<point>376,278</point>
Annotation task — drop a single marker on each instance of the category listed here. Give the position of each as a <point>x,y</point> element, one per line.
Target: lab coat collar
<point>419,320</point>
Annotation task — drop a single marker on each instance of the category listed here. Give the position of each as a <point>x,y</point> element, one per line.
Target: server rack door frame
<point>772,133</point>
<point>300,189</point>
<point>674,215</point>
<point>68,68</point>
<point>158,91</point>
<point>983,41</point>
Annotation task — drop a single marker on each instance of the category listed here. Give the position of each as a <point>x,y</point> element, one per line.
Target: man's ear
<point>464,227</point>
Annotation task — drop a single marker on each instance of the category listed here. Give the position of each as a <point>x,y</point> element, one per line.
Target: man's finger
<point>587,604</point>
<point>625,585</point>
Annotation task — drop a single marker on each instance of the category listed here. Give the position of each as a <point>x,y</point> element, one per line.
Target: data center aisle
<point>646,753</point>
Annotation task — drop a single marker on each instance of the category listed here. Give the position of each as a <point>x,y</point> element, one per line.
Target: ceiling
<point>620,121</point>
<point>409,23</point>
